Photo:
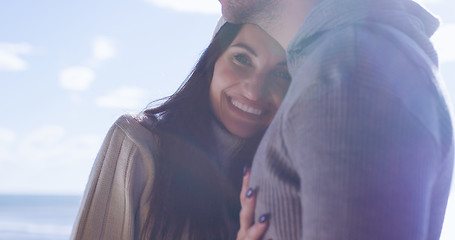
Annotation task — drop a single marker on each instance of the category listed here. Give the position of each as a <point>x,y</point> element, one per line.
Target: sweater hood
<point>406,16</point>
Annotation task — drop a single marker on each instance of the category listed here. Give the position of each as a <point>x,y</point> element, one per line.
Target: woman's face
<point>249,82</point>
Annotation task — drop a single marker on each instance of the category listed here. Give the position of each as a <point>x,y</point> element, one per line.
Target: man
<point>362,145</point>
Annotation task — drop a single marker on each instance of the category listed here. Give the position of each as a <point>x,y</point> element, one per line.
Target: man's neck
<point>285,25</point>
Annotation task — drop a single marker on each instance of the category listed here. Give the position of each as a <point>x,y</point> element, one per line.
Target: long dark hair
<point>186,198</point>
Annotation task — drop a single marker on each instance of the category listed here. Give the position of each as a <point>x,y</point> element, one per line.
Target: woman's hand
<point>248,230</point>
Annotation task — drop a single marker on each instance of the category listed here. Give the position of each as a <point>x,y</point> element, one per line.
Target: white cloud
<point>47,160</point>
<point>197,6</point>
<point>126,98</point>
<point>79,78</point>
<point>103,48</point>
<point>7,138</point>
<point>444,40</point>
<point>52,144</point>
<point>41,144</point>
<point>9,56</point>
<point>76,78</point>
<point>7,135</point>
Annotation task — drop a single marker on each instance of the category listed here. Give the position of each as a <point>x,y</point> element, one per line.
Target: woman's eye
<point>242,59</point>
<point>283,75</point>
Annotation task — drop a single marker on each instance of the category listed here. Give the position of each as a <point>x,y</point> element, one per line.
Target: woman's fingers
<point>247,211</point>
<point>245,185</point>
<point>255,231</point>
<point>248,200</point>
<point>258,229</point>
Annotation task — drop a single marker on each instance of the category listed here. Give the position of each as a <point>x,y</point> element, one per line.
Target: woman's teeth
<point>246,108</point>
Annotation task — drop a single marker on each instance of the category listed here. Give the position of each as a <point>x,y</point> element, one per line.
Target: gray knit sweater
<point>362,145</point>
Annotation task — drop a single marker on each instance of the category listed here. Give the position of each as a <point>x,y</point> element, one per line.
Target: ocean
<point>37,217</point>
<point>47,217</point>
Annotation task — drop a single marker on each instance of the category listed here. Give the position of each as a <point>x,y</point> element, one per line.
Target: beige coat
<point>121,179</point>
<point>116,201</point>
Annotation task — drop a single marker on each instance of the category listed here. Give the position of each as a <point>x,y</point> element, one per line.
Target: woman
<point>175,172</point>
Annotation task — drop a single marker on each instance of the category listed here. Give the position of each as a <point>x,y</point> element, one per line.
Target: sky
<point>69,69</point>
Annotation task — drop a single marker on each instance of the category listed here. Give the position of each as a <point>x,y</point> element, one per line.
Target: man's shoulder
<point>366,51</point>
<point>372,58</point>
<point>355,41</point>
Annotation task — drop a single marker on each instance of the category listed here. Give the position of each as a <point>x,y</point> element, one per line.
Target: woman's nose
<point>256,87</point>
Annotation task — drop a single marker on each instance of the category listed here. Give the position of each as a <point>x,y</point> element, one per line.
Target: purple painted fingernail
<point>249,193</point>
<point>245,170</point>
<point>264,218</point>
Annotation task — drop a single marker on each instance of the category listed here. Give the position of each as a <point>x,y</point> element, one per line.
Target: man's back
<point>362,146</point>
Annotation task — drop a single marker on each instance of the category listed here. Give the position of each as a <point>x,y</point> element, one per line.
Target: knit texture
<point>361,147</point>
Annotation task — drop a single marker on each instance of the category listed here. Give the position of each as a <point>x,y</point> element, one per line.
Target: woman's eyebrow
<point>246,47</point>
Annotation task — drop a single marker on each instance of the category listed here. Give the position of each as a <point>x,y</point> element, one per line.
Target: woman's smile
<point>250,109</point>
<point>249,82</point>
